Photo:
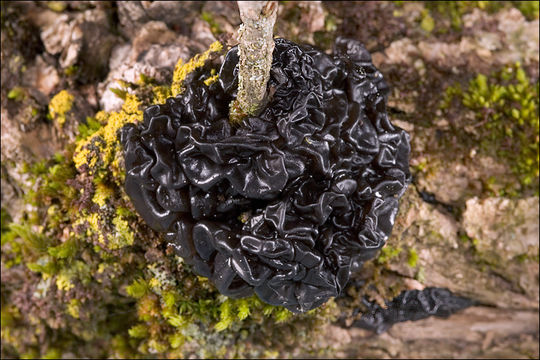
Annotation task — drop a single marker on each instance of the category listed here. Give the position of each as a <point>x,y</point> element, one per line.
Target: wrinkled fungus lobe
<point>288,203</point>
<point>411,305</point>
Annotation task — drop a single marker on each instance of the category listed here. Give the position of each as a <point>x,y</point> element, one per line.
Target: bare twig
<point>255,51</point>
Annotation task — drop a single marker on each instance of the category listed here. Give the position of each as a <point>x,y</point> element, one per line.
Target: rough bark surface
<point>477,332</point>
<point>255,49</point>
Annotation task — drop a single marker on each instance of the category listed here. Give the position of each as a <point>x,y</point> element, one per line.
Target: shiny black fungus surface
<point>411,305</point>
<point>288,203</point>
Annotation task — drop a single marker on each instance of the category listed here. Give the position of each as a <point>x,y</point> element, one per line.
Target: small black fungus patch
<point>288,203</point>
<point>411,305</point>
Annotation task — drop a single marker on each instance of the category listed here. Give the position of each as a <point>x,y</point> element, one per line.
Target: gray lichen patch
<point>504,234</point>
<point>255,50</point>
<point>478,269</point>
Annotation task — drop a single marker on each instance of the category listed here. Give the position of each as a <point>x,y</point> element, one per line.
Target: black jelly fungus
<point>411,305</point>
<point>288,202</point>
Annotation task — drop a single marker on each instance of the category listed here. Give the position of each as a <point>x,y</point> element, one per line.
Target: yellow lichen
<point>102,117</point>
<point>73,308</point>
<point>117,171</point>
<point>63,282</point>
<point>182,70</point>
<point>81,156</point>
<point>100,148</point>
<point>60,104</point>
<point>154,283</point>
<point>211,80</point>
<point>51,210</point>
<point>132,105</point>
<point>161,94</point>
<point>123,235</point>
<point>93,220</point>
<point>102,193</point>
<point>101,268</point>
<point>104,141</point>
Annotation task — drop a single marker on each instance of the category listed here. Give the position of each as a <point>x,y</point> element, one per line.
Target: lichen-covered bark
<point>255,50</point>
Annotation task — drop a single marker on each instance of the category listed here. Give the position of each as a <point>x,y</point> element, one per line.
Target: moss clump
<point>412,260</point>
<point>427,23</point>
<point>90,126</point>
<point>16,94</point>
<point>505,106</point>
<point>5,219</point>
<point>206,316</point>
<point>60,104</point>
<point>387,253</point>
<point>529,9</point>
<point>453,11</point>
<point>214,26</point>
<point>101,284</point>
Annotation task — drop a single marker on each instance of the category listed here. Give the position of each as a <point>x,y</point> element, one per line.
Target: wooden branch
<point>255,50</point>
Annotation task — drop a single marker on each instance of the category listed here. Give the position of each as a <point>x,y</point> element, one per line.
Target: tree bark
<point>501,280</point>
<point>255,50</point>
<point>477,332</point>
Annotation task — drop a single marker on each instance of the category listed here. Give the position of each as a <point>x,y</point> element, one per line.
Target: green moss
<point>214,26</point>
<point>412,260</point>
<point>119,93</point>
<point>16,94</point>
<point>5,219</point>
<point>89,127</point>
<point>387,253</point>
<point>50,177</point>
<point>529,9</point>
<point>453,11</point>
<point>139,331</point>
<point>44,265</point>
<point>65,250</point>
<point>427,23</point>
<point>71,70</point>
<point>522,258</point>
<point>137,289</point>
<point>176,340</point>
<point>505,106</point>
<point>73,308</point>
<point>216,313</point>
<point>34,243</point>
